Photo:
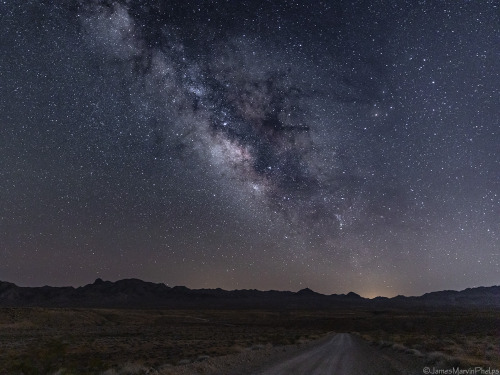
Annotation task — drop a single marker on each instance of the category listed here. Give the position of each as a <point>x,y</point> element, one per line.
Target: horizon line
<point>253,289</point>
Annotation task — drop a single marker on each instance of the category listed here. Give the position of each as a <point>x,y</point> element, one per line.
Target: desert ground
<point>123,341</point>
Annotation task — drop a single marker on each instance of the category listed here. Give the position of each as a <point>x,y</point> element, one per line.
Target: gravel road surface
<point>342,354</point>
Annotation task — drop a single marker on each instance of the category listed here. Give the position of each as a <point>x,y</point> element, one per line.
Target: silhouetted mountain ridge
<point>135,293</point>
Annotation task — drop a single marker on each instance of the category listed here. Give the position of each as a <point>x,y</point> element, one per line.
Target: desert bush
<point>415,352</point>
<point>385,344</point>
<point>133,369</point>
<point>434,357</point>
<point>257,347</point>
<point>399,347</point>
<point>439,359</point>
<point>201,358</point>
<point>65,371</point>
<point>23,366</point>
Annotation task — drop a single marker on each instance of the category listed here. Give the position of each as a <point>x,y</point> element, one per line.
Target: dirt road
<point>343,354</point>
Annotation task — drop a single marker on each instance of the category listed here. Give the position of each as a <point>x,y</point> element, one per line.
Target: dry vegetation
<point>97,341</point>
<point>444,339</point>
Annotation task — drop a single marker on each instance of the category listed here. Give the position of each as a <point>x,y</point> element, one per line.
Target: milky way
<point>336,145</point>
<point>249,108</point>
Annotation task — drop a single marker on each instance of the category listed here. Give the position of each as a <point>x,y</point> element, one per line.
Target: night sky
<point>336,145</point>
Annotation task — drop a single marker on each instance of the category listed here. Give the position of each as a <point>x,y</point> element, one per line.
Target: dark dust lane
<point>343,354</point>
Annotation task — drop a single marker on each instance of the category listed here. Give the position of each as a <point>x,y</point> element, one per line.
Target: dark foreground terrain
<point>125,341</point>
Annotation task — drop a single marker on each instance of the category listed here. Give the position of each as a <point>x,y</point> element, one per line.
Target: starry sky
<point>336,145</point>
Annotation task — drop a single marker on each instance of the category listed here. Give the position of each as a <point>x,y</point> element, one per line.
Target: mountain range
<point>135,293</point>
